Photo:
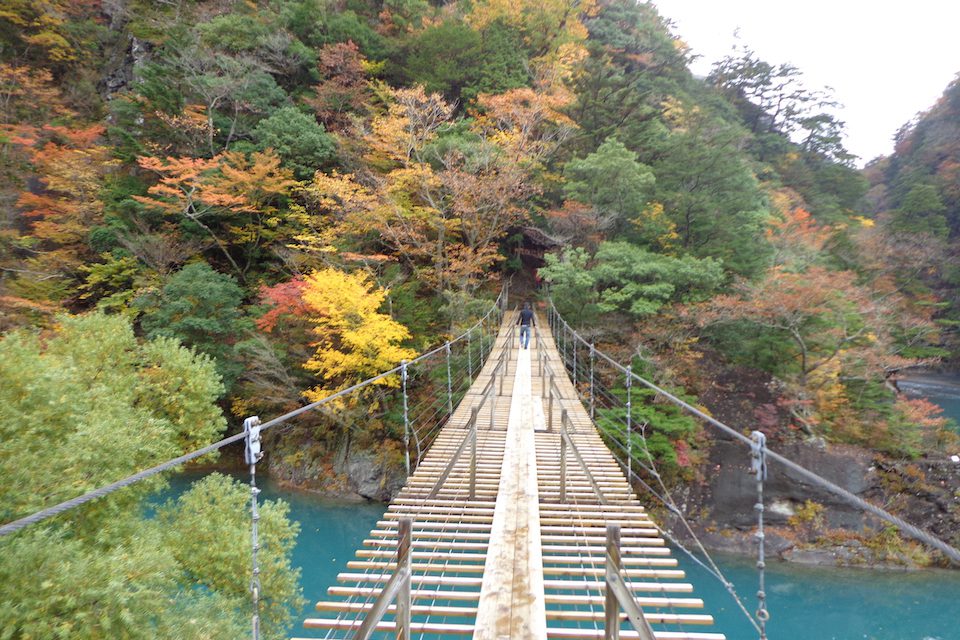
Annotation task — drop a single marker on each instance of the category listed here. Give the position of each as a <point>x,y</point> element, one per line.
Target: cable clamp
<point>252,451</point>
<point>758,455</point>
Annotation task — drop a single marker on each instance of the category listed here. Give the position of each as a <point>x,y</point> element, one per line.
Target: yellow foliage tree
<point>553,31</point>
<point>354,340</point>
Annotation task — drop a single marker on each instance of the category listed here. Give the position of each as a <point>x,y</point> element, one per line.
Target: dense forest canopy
<point>246,205</point>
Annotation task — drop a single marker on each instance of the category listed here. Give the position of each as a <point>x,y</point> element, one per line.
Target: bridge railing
<point>396,589</point>
<point>618,595</point>
<point>567,339</point>
<point>551,393</point>
<point>497,375</point>
<point>581,359</point>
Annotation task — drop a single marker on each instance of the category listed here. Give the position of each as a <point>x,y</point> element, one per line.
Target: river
<point>812,603</point>
<point>940,388</point>
<point>809,603</point>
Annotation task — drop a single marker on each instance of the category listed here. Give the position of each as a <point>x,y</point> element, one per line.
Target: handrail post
<point>611,608</point>
<point>502,376</point>
<point>540,356</point>
<point>563,459</point>
<point>405,529</point>
<point>480,354</point>
<point>619,595</point>
<point>593,390</point>
<point>470,354</point>
<point>473,452</point>
<point>406,417</point>
<point>493,403</point>
<point>550,412</point>
<point>563,337</point>
<point>575,373</point>
<point>449,382</point>
<point>543,380</point>
<point>629,426</point>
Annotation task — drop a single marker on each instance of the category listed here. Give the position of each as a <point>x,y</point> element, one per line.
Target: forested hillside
<point>266,201</point>
<point>915,191</point>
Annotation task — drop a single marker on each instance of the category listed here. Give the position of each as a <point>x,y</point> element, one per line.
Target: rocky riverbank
<point>808,524</point>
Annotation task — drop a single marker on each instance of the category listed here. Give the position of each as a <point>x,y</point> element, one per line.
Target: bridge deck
<point>513,560</point>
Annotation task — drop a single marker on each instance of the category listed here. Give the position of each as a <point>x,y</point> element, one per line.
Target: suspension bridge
<point>518,523</point>
<point>518,518</point>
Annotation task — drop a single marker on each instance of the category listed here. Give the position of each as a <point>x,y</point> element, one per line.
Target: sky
<point>885,61</point>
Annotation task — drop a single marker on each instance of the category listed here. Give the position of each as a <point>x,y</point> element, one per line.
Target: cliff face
<point>349,473</point>
<point>806,523</point>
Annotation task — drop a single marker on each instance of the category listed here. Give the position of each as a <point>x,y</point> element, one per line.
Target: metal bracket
<point>252,450</point>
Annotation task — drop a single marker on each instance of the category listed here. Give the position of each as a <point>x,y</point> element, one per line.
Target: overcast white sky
<point>885,61</point>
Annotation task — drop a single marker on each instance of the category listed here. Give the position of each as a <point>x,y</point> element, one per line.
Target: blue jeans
<point>524,335</point>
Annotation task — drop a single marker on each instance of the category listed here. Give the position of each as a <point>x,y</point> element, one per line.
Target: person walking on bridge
<point>526,320</point>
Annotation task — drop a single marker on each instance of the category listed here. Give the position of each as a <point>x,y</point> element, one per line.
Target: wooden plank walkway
<point>514,560</point>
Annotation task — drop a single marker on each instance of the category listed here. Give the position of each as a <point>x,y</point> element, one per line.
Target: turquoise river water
<point>806,603</point>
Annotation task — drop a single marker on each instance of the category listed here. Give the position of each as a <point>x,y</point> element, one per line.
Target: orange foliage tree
<point>841,333</point>
<point>64,203</point>
<point>445,213</point>
<point>236,200</point>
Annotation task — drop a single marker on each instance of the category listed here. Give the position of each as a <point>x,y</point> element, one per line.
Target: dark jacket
<point>526,317</point>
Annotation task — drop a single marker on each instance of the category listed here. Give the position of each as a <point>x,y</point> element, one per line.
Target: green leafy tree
<point>201,308</point>
<point>444,58</point>
<point>661,433</point>
<point>503,65</point>
<point>215,552</point>
<point>709,191</point>
<point>87,405</point>
<point>922,211</point>
<point>634,63</point>
<point>612,181</point>
<point>571,283</point>
<point>640,282</point>
<point>298,139</point>
<point>622,277</point>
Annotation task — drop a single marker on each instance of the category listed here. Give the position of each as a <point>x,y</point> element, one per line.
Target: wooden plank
<point>415,627</point>
<point>512,601</point>
<point>428,610</point>
<point>566,633</point>
<point>653,617</point>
